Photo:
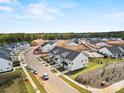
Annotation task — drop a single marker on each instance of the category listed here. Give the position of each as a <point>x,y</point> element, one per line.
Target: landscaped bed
<point>105,60</point>
<point>14,82</point>
<point>46,59</point>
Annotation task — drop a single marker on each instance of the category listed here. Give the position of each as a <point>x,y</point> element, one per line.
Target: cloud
<point>6,8</point>
<point>35,11</point>
<point>66,4</point>
<point>6,1</point>
<point>43,10</point>
<point>119,14</point>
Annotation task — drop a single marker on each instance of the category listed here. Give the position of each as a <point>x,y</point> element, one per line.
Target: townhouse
<point>114,52</point>
<point>97,42</point>
<point>46,47</point>
<point>71,43</point>
<point>7,55</point>
<point>68,59</point>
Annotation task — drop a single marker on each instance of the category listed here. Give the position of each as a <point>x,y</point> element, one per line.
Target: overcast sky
<point>34,16</point>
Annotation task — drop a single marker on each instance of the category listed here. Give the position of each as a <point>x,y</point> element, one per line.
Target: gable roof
<point>51,43</point>
<point>65,53</point>
<point>5,50</point>
<point>115,50</point>
<point>122,48</point>
<point>57,50</point>
<point>44,44</point>
<point>75,40</point>
<point>12,45</point>
<point>4,55</point>
<point>93,41</point>
<point>72,55</point>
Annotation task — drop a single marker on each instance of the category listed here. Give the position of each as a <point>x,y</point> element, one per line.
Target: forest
<point>18,37</point>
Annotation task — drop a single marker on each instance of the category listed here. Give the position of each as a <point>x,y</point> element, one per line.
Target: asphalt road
<point>54,84</point>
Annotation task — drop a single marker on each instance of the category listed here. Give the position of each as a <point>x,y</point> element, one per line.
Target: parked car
<point>26,79</point>
<point>35,72</point>
<point>45,76</point>
<point>30,67</point>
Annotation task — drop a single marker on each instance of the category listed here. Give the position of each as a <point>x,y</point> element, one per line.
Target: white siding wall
<point>5,65</point>
<point>72,44</point>
<point>105,51</point>
<point>79,62</point>
<point>102,44</point>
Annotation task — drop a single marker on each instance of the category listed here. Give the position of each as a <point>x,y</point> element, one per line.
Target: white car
<point>35,72</point>
<point>45,76</point>
<point>30,67</point>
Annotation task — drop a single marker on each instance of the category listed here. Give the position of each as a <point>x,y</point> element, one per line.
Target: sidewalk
<point>28,76</point>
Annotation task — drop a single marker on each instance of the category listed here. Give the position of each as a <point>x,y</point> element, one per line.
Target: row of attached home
<point>114,52</point>
<point>7,54</point>
<point>46,47</point>
<point>68,59</point>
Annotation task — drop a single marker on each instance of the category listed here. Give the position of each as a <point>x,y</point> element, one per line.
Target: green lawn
<point>80,89</point>
<point>40,87</point>
<point>15,81</point>
<point>120,91</point>
<point>90,67</point>
<point>27,84</point>
<point>105,60</point>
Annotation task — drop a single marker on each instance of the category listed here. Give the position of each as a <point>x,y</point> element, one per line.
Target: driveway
<point>54,84</point>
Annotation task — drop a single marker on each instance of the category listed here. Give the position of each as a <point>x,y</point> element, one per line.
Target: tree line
<point>18,37</point>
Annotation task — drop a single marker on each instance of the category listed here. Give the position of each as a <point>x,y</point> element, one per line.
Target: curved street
<point>54,84</point>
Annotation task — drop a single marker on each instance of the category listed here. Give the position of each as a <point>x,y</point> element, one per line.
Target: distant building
<point>115,52</point>
<point>93,54</point>
<point>102,44</point>
<point>72,44</point>
<point>46,47</point>
<point>98,42</point>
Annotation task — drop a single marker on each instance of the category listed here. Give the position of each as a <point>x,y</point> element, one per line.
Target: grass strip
<point>80,89</point>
